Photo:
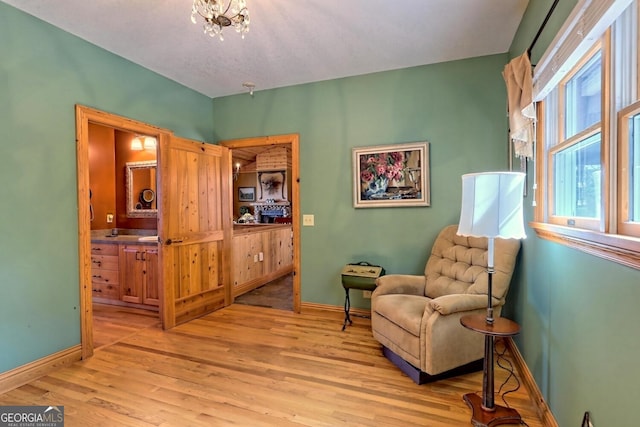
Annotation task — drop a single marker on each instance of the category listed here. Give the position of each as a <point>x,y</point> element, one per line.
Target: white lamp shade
<point>492,205</point>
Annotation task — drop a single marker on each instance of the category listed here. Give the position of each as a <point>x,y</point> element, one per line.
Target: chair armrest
<point>400,284</point>
<point>456,303</point>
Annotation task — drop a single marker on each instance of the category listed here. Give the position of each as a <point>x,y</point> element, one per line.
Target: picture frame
<point>272,186</point>
<point>394,175</point>
<point>246,194</point>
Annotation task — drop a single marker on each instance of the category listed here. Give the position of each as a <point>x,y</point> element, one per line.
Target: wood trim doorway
<point>84,116</point>
<point>293,142</point>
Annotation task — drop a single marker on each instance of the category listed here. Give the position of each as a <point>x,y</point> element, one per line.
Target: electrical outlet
<point>109,218</point>
<point>308,220</point>
<point>366,294</point>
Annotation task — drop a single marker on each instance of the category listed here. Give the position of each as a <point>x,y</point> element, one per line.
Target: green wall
<point>459,107</point>
<point>579,313</point>
<point>44,72</point>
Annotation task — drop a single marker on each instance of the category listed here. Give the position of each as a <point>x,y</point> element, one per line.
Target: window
<point>588,154</point>
<point>629,171</point>
<point>575,181</point>
<point>583,97</point>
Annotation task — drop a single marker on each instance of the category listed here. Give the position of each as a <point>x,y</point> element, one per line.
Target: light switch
<point>109,218</point>
<point>308,220</point>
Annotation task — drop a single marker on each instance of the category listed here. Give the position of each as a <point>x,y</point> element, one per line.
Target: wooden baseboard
<point>29,372</point>
<point>529,382</point>
<point>107,301</point>
<point>359,312</point>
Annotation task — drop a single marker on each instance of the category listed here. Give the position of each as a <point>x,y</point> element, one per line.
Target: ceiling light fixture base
<point>250,86</point>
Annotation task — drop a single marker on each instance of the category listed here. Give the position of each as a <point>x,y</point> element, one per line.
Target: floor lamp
<point>491,208</point>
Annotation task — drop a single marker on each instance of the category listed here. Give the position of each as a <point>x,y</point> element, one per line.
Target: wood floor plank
<point>250,366</point>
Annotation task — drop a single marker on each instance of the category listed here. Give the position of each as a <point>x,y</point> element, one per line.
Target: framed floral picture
<point>391,175</point>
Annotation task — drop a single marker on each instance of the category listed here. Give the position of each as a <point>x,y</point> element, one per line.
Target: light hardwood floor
<point>253,366</point>
<point>113,323</point>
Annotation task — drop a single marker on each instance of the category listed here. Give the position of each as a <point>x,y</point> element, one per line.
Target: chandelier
<point>218,14</point>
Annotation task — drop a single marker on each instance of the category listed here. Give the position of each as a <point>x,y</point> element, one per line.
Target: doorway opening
<point>279,207</point>
<point>98,205</point>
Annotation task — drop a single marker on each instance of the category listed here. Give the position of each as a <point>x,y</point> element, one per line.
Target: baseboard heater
<point>420,377</point>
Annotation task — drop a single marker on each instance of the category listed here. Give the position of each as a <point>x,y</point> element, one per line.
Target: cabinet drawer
<point>105,262</point>
<point>104,249</point>
<point>105,290</point>
<point>100,275</point>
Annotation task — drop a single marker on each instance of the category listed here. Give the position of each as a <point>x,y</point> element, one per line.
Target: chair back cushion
<point>458,265</point>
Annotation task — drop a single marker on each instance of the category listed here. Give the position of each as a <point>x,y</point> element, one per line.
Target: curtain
<point>518,77</point>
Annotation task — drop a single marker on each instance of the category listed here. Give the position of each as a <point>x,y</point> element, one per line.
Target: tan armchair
<point>417,318</point>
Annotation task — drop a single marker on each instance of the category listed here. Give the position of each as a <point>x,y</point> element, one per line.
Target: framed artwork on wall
<point>273,186</point>
<point>246,194</point>
<point>391,175</point>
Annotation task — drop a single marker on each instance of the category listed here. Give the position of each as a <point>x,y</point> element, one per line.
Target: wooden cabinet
<point>260,254</point>
<point>104,271</point>
<point>246,258</point>
<point>279,246</point>
<point>150,289</point>
<point>139,274</point>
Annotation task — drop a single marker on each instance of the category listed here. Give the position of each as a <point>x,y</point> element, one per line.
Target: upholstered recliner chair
<point>417,318</point>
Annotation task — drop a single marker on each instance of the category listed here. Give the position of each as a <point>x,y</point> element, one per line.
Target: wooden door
<point>195,229</point>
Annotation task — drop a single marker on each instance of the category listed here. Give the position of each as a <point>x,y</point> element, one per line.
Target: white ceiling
<point>290,41</point>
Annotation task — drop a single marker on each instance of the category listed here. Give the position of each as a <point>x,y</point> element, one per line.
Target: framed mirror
<point>141,189</point>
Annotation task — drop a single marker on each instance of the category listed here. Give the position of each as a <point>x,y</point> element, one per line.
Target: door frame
<point>84,116</point>
<point>293,141</point>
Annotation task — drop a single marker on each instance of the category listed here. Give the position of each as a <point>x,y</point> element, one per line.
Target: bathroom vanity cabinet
<point>139,274</point>
<point>105,271</point>
<point>125,272</point>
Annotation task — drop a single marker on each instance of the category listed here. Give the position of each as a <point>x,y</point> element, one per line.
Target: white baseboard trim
<point>23,374</point>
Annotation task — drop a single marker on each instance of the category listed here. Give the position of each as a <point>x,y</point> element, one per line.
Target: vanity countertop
<point>122,239</point>
<point>143,237</point>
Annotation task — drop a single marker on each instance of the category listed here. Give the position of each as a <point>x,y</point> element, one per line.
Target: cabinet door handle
<point>169,241</point>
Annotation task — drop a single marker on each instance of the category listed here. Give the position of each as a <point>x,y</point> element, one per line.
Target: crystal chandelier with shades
<point>218,14</point>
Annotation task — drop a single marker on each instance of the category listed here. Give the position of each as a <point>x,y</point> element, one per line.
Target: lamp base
<point>497,415</point>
